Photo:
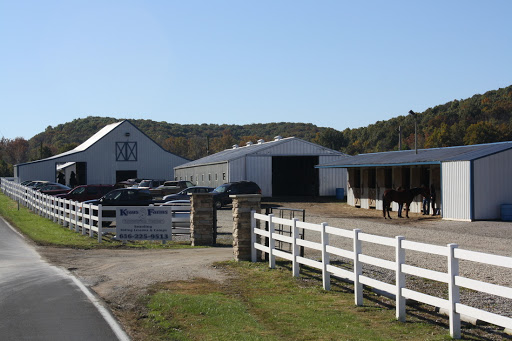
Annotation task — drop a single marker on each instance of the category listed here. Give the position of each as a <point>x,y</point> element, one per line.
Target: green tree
<point>481,132</point>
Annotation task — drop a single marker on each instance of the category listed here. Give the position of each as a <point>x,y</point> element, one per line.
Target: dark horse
<point>401,197</point>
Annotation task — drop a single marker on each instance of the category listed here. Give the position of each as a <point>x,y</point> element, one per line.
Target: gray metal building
<point>471,182</point>
<point>117,152</point>
<point>282,167</point>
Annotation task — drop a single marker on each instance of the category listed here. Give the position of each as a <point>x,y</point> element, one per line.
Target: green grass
<point>45,232</point>
<point>262,304</point>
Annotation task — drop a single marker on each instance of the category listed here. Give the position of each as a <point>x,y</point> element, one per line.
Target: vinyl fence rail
<point>82,218</point>
<point>452,253</point>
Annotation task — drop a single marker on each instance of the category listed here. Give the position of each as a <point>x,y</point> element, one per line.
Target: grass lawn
<point>263,304</point>
<point>45,232</point>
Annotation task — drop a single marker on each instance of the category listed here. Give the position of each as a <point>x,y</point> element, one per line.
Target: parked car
<point>38,183</point>
<point>122,197</point>
<point>150,184</point>
<point>221,194</point>
<point>185,194</point>
<point>128,183</point>
<point>54,189</point>
<point>125,197</point>
<point>87,192</point>
<point>170,187</point>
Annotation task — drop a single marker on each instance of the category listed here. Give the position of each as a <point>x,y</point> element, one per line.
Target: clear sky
<point>335,63</point>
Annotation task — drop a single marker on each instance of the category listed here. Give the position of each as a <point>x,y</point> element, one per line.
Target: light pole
<point>415,130</point>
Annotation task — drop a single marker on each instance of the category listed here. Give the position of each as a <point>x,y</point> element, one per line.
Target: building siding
<point>493,185</point>
<point>331,178</point>
<point>456,190</point>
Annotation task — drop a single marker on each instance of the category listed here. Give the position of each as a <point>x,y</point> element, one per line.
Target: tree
<point>330,138</point>
<point>481,132</point>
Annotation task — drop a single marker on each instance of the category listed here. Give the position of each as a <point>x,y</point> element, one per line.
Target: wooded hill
<point>479,119</point>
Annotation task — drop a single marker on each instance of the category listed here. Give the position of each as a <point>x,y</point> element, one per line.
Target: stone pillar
<point>201,219</point>
<point>243,204</point>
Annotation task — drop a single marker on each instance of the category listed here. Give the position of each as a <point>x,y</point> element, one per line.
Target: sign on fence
<point>143,223</point>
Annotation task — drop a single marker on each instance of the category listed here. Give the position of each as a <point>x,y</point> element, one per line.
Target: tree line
<point>480,119</point>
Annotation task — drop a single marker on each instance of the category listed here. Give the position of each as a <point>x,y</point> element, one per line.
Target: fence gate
<point>285,213</point>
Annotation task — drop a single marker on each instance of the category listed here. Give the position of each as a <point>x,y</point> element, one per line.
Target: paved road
<point>41,302</point>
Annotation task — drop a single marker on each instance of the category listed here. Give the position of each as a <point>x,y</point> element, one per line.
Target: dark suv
<point>87,192</point>
<point>221,194</point>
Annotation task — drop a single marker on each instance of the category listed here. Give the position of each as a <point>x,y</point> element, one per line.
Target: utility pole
<point>399,137</point>
<point>415,130</point>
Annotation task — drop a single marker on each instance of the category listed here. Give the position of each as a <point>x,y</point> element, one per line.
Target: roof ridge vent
<point>261,141</point>
<point>278,137</point>
<point>249,143</point>
<point>235,146</point>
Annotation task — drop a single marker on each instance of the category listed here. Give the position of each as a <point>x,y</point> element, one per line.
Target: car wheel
<point>217,205</point>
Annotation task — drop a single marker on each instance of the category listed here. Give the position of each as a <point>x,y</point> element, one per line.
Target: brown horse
<point>401,197</point>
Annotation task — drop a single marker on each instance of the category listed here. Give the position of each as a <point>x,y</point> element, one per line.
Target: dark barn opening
<point>122,175</point>
<point>295,175</point>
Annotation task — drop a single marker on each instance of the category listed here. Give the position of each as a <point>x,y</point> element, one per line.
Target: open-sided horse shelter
<point>471,182</point>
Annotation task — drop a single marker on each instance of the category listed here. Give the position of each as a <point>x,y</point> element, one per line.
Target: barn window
<point>216,176</point>
<point>223,176</point>
<point>191,178</point>
<point>209,177</point>
<point>126,151</point>
<point>202,177</point>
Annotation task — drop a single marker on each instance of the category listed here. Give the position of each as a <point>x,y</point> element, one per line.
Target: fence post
<point>75,205</point>
<point>271,243</point>
<point>400,279</point>
<point>453,291</point>
<point>295,248</point>
<point>253,237</point>
<point>100,223</point>
<point>326,276</point>
<point>358,269</point>
<point>91,221</point>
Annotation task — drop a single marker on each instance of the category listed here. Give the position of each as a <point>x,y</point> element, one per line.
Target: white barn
<point>471,182</point>
<point>119,151</point>
<point>282,167</point>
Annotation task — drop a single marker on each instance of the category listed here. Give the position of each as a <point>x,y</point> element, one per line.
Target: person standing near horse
<point>426,202</point>
<point>433,198</point>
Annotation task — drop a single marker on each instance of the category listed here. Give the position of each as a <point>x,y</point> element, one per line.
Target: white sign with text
<point>143,223</point>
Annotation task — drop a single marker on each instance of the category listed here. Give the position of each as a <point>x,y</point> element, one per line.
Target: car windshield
<point>221,189</point>
<point>145,183</point>
<point>113,195</point>
<point>78,190</point>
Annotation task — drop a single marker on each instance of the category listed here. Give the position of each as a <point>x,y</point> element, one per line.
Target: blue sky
<point>335,64</point>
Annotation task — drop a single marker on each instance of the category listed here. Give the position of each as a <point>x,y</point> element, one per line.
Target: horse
<point>401,197</point>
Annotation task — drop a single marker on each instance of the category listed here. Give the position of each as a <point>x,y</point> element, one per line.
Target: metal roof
<point>241,151</point>
<point>423,157</point>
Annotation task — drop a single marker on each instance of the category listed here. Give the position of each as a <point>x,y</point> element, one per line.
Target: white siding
<point>331,178</point>
<point>492,185</point>
<point>259,170</point>
<point>456,190</point>
<point>237,170</point>
<point>208,175</point>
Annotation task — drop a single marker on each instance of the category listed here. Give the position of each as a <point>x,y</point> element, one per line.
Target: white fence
<point>452,253</point>
<point>85,218</point>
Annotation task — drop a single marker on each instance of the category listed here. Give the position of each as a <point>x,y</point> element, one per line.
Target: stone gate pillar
<point>243,204</point>
<point>201,219</point>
